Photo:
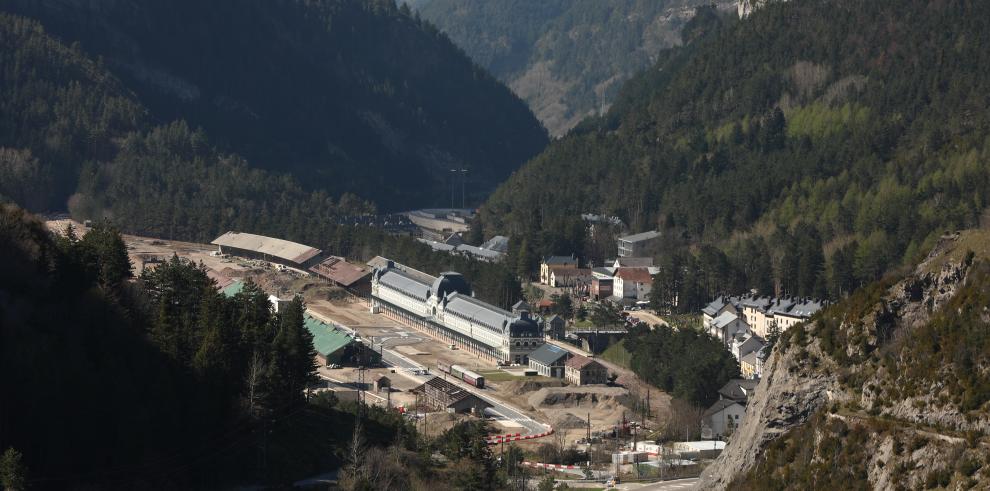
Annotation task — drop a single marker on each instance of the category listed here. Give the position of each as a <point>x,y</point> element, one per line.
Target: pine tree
<point>107,254</point>
<point>524,261</point>
<point>13,473</point>
<point>293,357</point>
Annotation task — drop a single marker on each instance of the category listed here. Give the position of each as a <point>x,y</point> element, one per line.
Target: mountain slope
<point>346,95</point>
<point>803,120</point>
<point>889,389</point>
<point>566,58</point>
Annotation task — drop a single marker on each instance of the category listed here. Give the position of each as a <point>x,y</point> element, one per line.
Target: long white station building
<point>444,307</point>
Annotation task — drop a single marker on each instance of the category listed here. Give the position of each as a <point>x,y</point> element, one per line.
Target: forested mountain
<point>803,150</point>
<point>566,58</point>
<point>157,382</point>
<point>346,96</point>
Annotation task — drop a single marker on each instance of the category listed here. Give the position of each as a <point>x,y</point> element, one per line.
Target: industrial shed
<point>336,346</point>
<point>268,249</point>
<point>441,395</point>
<point>337,271</point>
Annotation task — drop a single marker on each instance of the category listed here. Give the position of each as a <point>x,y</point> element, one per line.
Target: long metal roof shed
<point>282,249</point>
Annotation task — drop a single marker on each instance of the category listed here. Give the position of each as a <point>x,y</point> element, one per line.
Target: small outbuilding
<point>383,384</point>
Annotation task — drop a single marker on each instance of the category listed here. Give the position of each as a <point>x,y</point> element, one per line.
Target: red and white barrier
<point>541,465</point>
<point>511,437</point>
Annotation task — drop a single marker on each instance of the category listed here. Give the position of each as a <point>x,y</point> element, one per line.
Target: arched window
<point>517,344</point>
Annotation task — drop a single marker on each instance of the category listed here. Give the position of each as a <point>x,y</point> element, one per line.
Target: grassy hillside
<point>345,95</point>
<point>566,58</point>
<point>803,136</point>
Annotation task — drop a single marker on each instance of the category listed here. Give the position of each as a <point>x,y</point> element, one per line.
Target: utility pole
<point>463,180</point>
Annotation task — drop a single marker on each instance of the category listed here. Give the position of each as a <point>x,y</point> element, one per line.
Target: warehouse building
<point>444,307</point>
<point>581,370</point>
<point>334,346</point>
<point>269,249</point>
<point>338,272</point>
<point>441,395</point>
<point>549,360</point>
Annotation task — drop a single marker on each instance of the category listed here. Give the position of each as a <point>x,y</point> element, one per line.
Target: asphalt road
<point>675,485</point>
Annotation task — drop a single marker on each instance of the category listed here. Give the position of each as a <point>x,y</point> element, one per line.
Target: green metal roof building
<point>233,288</point>
<point>330,343</point>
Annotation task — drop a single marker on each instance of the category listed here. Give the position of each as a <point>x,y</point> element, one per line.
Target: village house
<point>632,283</point>
<point>746,343</point>
<point>581,370</point>
<point>751,365</point>
<point>738,390</point>
<point>637,244</point>
<point>799,312</point>
<point>718,306</point>
<point>727,326</point>
<point>754,311</point>
<point>557,264</point>
<point>564,277</point>
<point>724,417</point>
<point>549,360</point>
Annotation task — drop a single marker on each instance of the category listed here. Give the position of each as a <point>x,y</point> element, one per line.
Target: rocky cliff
<point>746,7</point>
<point>885,390</point>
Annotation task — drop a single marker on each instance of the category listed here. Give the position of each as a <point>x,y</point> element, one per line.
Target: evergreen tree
<point>13,473</point>
<point>524,260</point>
<point>293,357</point>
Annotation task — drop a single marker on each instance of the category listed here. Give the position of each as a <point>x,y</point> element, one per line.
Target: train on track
<point>461,373</point>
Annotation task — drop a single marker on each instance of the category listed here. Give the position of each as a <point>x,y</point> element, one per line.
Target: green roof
<point>233,288</point>
<point>326,338</point>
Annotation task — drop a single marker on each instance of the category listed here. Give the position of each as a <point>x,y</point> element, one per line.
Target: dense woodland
<point>566,58</point>
<point>685,363</point>
<point>356,96</point>
<point>812,148</point>
<point>155,377</point>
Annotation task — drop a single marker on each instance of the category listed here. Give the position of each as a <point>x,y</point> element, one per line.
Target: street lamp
<point>463,173</point>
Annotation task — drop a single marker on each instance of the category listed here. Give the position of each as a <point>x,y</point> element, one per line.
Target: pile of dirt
<point>568,421</point>
<point>527,386</point>
<point>233,273</point>
<point>585,397</point>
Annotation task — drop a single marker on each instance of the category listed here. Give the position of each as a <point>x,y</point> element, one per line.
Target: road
<point>675,485</point>
<point>419,373</point>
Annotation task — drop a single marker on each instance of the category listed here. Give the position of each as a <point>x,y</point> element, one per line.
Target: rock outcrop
<point>746,7</point>
<point>845,372</point>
